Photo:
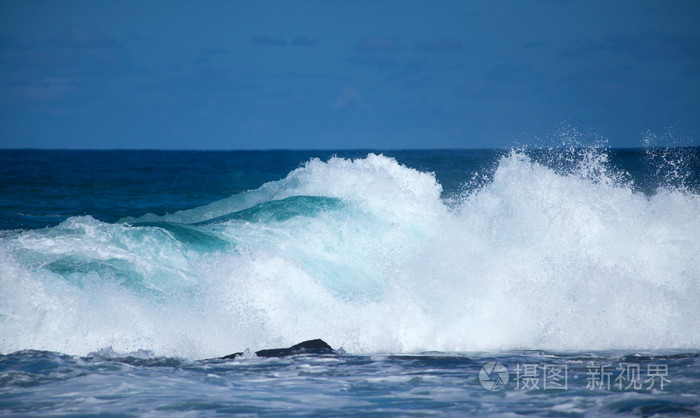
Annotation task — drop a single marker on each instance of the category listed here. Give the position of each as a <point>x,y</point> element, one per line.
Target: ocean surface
<point>540,282</point>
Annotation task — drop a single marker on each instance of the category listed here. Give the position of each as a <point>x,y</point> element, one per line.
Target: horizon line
<point>338,149</point>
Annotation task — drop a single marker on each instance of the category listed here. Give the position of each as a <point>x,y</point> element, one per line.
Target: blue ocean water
<point>575,272</point>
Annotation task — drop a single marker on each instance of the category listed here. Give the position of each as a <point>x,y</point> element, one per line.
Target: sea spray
<point>545,253</point>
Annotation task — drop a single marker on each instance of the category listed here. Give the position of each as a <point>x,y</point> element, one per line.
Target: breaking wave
<point>367,255</point>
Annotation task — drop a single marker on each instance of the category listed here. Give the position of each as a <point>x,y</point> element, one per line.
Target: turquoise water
<point>122,272</point>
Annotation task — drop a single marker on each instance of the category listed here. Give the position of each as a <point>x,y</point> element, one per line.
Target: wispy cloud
<point>438,45</point>
<point>377,43</point>
<point>75,61</point>
<point>348,98</point>
<point>76,36</point>
<point>509,72</point>
<point>642,47</point>
<point>379,63</point>
<point>264,40</point>
<point>206,54</point>
<point>304,41</point>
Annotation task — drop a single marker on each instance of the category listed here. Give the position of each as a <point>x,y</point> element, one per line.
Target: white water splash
<point>535,258</point>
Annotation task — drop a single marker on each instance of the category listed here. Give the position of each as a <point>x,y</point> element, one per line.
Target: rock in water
<point>316,346</point>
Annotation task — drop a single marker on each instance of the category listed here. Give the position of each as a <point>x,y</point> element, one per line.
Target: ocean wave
<point>366,254</point>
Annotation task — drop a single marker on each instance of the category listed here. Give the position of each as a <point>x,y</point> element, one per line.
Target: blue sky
<point>346,74</point>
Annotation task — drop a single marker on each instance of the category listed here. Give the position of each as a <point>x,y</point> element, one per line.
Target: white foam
<point>535,258</point>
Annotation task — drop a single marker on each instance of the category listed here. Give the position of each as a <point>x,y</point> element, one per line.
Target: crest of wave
<point>538,256</point>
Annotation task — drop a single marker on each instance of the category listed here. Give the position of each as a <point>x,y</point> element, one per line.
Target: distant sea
<point>543,282</point>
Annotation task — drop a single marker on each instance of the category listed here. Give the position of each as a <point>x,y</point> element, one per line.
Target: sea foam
<point>366,254</point>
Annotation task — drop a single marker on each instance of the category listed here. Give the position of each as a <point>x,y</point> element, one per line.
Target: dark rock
<point>316,346</point>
